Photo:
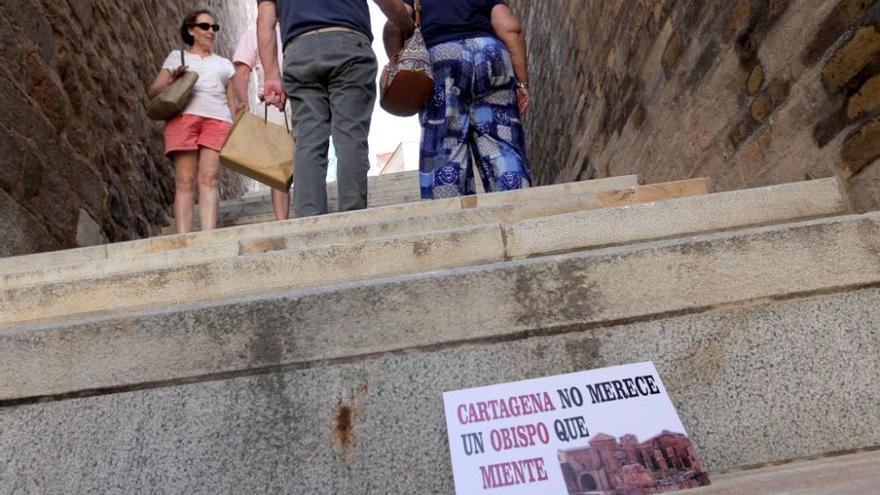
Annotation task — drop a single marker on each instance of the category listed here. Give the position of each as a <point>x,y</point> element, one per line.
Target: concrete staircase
<point>310,356</point>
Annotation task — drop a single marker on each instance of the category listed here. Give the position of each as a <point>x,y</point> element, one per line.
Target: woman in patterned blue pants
<point>478,57</point>
<point>473,113</point>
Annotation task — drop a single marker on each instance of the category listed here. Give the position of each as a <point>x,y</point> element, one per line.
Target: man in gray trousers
<point>330,78</point>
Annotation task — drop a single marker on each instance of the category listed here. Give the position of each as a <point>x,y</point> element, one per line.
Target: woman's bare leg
<point>185,170</point>
<point>209,190</point>
<point>281,204</point>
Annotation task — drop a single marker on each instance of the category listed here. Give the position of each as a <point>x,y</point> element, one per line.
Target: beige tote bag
<point>174,98</point>
<point>261,150</point>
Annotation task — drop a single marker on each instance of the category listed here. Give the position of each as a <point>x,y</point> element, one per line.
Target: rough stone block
<point>705,64</point>
<point>861,147</point>
<point>738,19</point>
<point>864,189</point>
<point>866,100</point>
<point>83,11</point>
<point>20,230</point>
<point>756,80</point>
<point>13,161</point>
<point>832,27</point>
<point>776,8</point>
<point>755,153</point>
<point>34,25</point>
<point>88,233</point>
<point>47,91</point>
<point>769,101</point>
<point>761,108</point>
<point>779,90</point>
<point>741,132</point>
<point>672,53</point>
<point>851,58</point>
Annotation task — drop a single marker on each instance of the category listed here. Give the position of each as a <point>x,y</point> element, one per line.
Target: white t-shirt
<point>248,53</point>
<point>209,94</point>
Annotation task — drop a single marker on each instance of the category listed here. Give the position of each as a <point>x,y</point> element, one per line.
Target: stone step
<point>200,254</point>
<point>617,197</point>
<point>303,267</point>
<point>404,186</point>
<point>518,206</point>
<point>666,277</point>
<point>586,190</point>
<point>746,327</point>
<point>853,474</point>
<point>382,190</point>
<point>252,274</point>
<point>675,217</point>
<point>134,260</point>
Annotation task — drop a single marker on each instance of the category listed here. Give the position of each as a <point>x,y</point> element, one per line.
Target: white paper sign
<point>611,430</point>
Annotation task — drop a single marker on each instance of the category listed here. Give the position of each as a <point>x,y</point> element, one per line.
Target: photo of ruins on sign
<point>611,431</point>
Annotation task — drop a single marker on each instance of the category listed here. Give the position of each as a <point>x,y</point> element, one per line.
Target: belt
<point>332,29</point>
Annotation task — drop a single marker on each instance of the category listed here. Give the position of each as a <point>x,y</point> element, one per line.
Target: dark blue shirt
<point>301,16</point>
<point>450,20</point>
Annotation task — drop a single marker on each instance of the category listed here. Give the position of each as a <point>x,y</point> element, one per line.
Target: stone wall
<point>746,92</point>
<point>79,159</point>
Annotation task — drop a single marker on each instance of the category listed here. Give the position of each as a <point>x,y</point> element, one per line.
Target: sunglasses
<point>204,26</point>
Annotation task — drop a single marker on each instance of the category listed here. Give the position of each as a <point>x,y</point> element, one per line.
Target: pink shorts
<point>189,132</point>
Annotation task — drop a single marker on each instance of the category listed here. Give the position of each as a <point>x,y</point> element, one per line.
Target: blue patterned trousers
<point>473,114</point>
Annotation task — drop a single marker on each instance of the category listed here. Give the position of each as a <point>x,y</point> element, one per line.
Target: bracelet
<point>522,85</point>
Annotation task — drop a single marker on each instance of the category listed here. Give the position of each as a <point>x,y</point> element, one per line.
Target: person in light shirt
<point>247,61</point>
<point>194,138</point>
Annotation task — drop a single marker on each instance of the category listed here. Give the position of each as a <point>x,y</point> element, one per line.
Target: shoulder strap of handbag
<point>417,7</point>
<point>182,60</point>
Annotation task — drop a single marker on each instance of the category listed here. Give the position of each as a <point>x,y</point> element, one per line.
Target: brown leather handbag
<point>408,79</point>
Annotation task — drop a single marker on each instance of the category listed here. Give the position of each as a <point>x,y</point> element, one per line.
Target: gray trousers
<point>330,79</point>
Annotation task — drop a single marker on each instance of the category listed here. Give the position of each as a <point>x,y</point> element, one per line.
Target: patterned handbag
<point>408,80</point>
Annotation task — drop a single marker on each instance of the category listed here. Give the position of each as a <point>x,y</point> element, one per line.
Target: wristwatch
<point>522,85</point>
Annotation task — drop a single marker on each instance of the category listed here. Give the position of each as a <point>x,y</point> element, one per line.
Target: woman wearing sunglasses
<point>194,138</point>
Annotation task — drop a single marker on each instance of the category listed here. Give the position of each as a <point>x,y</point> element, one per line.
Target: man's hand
<point>273,93</point>
<point>267,17</point>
